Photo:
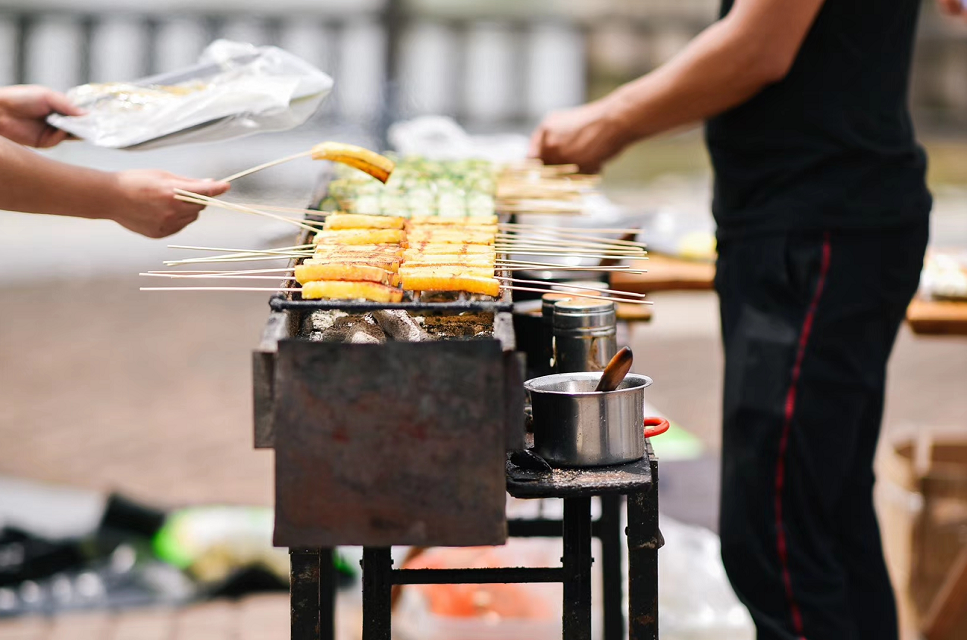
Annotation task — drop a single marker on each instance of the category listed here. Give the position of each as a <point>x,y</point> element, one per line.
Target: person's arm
<point>142,201</point>
<point>729,62</point>
<point>953,7</point>
<point>23,115</point>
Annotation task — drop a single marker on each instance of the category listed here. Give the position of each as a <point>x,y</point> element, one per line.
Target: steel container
<point>584,335</point>
<point>576,426</point>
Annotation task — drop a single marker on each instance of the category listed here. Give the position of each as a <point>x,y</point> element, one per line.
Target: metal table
<point>313,579</point>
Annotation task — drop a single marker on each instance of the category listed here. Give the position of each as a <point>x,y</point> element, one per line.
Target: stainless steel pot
<point>576,426</point>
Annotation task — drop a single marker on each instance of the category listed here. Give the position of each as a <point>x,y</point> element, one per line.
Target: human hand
<point>586,136</point>
<point>953,7</point>
<point>23,115</point>
<point>145,201</point>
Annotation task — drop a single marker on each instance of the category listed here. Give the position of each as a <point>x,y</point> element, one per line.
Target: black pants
<point>808,323</point>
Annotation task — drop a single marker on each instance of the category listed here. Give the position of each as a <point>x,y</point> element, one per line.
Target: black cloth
<point>831,145</point>
<point>808,322</point>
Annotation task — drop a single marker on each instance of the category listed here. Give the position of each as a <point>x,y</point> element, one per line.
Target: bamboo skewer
<point>572,286</point>
<point>175,263</point>
<point>260,257</point>
<point>214,276</point>
<point>297,289</point>
<point>280,250</point>
<point>239,272</point>
<point>272,289</point>
<point>195,198</point>
<point>523,225</point>
<point>242,174</point>
<point>550,232</point>
<point>561,243</point>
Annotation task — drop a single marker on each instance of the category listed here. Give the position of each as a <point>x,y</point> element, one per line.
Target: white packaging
<point>236,89</point>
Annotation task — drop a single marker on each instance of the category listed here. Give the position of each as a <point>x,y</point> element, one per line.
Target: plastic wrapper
<point>441,138</point>
<point>235,90</point>
<point>695,599</point>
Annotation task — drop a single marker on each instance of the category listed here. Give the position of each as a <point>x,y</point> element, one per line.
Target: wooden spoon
<point>616,370</point>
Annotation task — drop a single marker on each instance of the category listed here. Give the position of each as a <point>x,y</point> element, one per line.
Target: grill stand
<point>313,592</point>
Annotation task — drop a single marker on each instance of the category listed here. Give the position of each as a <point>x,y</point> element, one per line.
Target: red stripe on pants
<point>790,410</point>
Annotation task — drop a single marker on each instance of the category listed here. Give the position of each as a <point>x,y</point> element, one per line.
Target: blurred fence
<point>497,71</point>
<point>494,71</point>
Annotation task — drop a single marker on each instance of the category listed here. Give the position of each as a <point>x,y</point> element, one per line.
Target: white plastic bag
<point>441,138</point>
<point>235,90</point>
<point>695,600</point>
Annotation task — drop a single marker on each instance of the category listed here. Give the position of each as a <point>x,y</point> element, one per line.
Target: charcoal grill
<point>405,443</point>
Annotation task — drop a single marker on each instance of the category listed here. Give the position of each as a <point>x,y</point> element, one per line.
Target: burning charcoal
<point>353,328</point>
<point>321,321</point>
<point>400,326</point>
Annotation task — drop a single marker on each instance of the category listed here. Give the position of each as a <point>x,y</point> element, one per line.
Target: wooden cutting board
<point>932,317</point>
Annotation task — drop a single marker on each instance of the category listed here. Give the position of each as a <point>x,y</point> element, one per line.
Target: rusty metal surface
<point>514,400</point>
<point>392,444</point>
<point>278,327</point>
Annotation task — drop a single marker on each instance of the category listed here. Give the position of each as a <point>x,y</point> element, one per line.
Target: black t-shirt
<point>831,145</point>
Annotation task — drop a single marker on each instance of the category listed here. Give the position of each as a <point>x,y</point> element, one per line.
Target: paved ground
<point>256,618</point>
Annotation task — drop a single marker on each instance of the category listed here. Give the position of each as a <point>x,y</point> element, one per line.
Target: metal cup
<point>548,302</point>
<point>584,335</point>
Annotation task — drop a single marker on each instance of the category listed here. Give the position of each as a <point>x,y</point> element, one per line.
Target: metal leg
<point>609,530</point>
<point>644,540</point>
<point>377,590</point>
<point>577,569</point>
<point>327,595</point>
<point>304,594</point>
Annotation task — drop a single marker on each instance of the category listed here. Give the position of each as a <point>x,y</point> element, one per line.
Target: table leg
<point>327,595</point>
<point>610,534</point>
<point>304,594</point>
<point>644,540</point>
<point>377,591</point>
<point>577,569</point>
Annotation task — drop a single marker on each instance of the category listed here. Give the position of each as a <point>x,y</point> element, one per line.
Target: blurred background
<point>104,388</point>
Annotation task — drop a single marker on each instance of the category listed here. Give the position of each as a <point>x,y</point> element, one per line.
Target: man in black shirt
<point>822,213</point>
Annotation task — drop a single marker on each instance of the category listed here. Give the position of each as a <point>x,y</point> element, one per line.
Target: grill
<point>406,443</point>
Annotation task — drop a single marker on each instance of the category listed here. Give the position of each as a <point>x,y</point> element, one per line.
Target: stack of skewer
<point>386,259</point>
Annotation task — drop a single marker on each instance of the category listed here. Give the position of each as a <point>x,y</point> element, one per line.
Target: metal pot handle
<point>655,427</point>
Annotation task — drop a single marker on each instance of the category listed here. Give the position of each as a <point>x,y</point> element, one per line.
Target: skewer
<point>195,198</point>
<point>528,240</point>
<point>188,196</point>
<point>567,254</point>
<point>280,250</point>
<point>274,289</point>
<point>577,295</point>
<point>270,207</point>
<point>508,264</point>
<point>523,225</point>
<point>249,254</point>
<point>241,271</point>
<point>573,286</point>
<point>549,266</point>
<point>295,289</point>
<point>175,263</point>
<point>213,275</point>
<point>242,174</point>
<point>565,249</point>
<point>554,233</point>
